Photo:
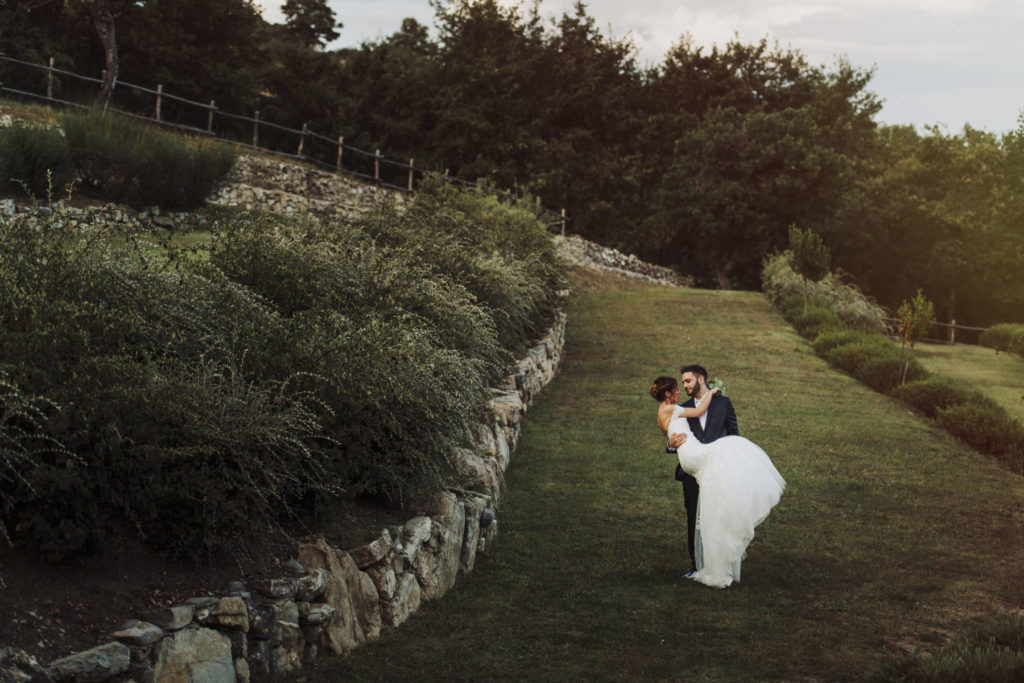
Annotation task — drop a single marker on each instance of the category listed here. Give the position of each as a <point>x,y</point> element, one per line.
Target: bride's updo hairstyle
<point>662,387</point>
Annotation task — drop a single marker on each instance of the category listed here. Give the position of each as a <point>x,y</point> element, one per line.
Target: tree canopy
<point>701,162</point>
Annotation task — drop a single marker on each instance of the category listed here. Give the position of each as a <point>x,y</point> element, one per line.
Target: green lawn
<point>1000,376</point>
<point>891,535</point>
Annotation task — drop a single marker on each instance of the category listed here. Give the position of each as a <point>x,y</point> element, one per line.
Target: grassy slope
<point>890,534</point>
<point>1000,376</point>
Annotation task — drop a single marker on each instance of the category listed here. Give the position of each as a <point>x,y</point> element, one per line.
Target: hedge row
<point>1004,337</point>
<point>854,344</point>
<point>203,402</point>
<point>113,158</point>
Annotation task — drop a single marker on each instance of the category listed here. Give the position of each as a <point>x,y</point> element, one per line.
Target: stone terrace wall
<point>268,184</point>
<point>331,599</point>
<point>581,252</point>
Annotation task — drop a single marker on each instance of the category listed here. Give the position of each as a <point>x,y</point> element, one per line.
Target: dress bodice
<point>692,454</point>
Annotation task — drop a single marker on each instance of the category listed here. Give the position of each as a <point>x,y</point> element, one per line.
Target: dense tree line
<point>702,162</point>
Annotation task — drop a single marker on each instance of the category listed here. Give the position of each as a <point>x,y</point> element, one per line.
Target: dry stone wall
<point>291,189</point>
<point>581,252</point>
<point>331,600</point>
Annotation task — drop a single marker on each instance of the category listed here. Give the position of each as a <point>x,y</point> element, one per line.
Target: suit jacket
<point>721,422</point>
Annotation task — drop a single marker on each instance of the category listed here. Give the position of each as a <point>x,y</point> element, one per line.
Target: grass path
<point>1000,376</point>
<point>890,535</point>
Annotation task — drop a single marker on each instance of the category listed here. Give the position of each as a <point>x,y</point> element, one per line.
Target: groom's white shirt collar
<point>696,404</point>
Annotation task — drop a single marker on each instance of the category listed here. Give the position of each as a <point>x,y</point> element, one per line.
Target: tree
<point>741,142</point>
<point>737,182</point>
<point>312,21</point>
<point>914,319</point>
<point>102,17</point>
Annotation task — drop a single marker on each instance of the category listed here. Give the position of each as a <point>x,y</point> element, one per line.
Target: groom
<point>718,421</point>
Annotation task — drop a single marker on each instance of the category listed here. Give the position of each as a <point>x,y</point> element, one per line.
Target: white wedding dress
<point>739,486</point>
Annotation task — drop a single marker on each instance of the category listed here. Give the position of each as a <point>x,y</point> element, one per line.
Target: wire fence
<point>53,85</point>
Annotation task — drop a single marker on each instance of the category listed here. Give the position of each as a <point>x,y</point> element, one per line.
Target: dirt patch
<point>52,610</point>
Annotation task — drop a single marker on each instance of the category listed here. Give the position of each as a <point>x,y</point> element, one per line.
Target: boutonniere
<point>718,384</point>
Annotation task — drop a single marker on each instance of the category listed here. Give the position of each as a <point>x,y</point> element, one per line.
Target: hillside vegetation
<point>201,402</point>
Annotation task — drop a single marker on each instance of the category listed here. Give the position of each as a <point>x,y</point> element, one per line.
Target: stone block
<point>97,664</point>
<point>196,655</point>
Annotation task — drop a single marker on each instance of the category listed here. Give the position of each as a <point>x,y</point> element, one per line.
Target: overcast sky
<point>945,62</point>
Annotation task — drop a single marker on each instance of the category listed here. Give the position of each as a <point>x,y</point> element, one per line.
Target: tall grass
<point>122,160</point>
<point>209,400</point>
<point>35,159</point>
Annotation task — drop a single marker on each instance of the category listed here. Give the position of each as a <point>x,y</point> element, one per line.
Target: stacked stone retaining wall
<point>331,600</point>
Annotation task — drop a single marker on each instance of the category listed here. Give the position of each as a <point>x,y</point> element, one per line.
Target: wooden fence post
<point>952,331</point>
<point>159,96</point>
<point>49,81</point>
<point>563,222</point>
<point>376,165</point>
<point>302,138</point>
<point>256,129</point>
<point>341,147</point>
<point>209,120</point>
<point>410,174</point>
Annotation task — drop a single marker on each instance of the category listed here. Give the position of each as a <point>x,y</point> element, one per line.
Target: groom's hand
<point>677,440</point>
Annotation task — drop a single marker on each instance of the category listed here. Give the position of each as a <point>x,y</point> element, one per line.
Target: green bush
<point>931,394</point>
<point>884,374</point>
<point>791,306</point>
<point>177,437</point>
<point>781,283</point>
<point>500,252</point>
<point>206,401</point>
<point>850,358</point>
<point>830,339</point>
<point>985,426</point>
<point>1003,337</point>
<point>993,652</point>
<point>122,160</point>
<point>407,354</point>
<point>815,320</point>
<point>34,158</point>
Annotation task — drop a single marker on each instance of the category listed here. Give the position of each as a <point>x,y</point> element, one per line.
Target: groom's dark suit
<point>721,421</point>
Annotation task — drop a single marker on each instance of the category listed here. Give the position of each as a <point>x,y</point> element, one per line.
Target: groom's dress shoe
<point>690,574</point>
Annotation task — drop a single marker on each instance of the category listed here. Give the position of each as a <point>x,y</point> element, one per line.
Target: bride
<point>739,486</point>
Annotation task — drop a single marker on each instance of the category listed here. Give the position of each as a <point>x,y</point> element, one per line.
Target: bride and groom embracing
<point>729,484</point>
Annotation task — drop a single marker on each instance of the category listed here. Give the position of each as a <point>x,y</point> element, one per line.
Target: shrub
<point>829,339</point>
<point>127,161</point>
<point>884,374</point>
<point>499,251</point>
<point>181,440</point>
<point>931,394</point>
<point>791,306</point>
<point>850,358</point>
<point>780,282</point>
<point>34,158</point>
<point>1003,337</point>
<point>985,426</point>
<point>814,321</point>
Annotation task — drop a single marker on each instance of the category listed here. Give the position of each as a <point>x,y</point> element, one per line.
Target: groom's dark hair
<point>695,369</point>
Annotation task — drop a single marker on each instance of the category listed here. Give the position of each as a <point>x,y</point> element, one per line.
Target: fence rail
<point>332,154</point>
<point>951,332</point>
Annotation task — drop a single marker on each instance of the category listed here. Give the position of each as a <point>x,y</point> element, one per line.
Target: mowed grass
<point>891,535</point>
<point>999,376</point>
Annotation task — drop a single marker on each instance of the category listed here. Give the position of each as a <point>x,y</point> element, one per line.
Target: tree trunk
<point>103,21</point>
<point>722,271</point>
